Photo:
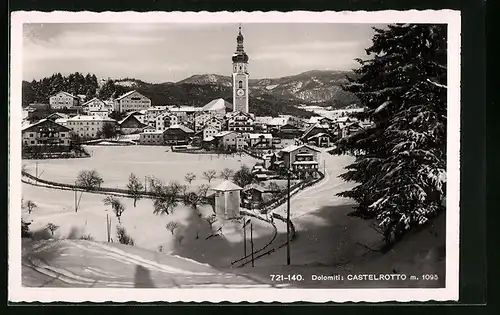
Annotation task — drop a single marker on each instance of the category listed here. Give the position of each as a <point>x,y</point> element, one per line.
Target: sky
<point>163,52</point>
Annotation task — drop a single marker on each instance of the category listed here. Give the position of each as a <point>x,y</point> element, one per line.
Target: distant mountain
<point>312,87</point>
<point>267,96</point>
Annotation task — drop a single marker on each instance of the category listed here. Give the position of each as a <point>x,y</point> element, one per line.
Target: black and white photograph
<point>234,156</point>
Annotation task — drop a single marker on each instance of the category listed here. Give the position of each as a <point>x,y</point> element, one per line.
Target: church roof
<point>227,186</point>
<point>217,104</point>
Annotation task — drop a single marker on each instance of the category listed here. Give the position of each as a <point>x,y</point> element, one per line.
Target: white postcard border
<point>17,293</point>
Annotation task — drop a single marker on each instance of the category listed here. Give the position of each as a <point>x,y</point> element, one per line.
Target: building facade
<point>63,100</point>
<point>241,122</point>
<point>131,125</point>
<point>300,159</point>
<point>209,131</point>
<point>240,76</point>
<point>48,134</point>
<point>131,101</point>
<point>151,138</point>
<point>165,120</point>
<point>178,134</point>
<point>88,126</point>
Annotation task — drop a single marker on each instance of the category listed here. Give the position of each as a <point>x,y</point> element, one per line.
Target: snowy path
<point>90,264</point>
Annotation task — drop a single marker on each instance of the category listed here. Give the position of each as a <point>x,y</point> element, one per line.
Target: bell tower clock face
<point>240,92</point>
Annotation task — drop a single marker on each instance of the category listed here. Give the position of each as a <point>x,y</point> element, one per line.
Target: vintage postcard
<point>234,156</point>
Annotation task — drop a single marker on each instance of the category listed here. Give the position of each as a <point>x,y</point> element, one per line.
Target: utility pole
<point>36,170</point>
<point>76,206</point>
<point>251,242</point>
<point>107,226</point>
<point>288,220</point>
<point>145,184</point>
<point>245,237</point>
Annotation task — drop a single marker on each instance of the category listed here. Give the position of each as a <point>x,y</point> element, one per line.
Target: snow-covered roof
<point>294,147</point>
<point>279,121</point>
<point>223,133</point>
<point>256,187</point>
<point>92,100</point>
<point>263,119</point>
<point>87,117</point>
<point>61,120</point>
<point>257,135</point>
<point>125,95</point>
<point>184,109</point>
<point>181,127</point>
<point>227,186</point>
<point>209,138</point>
<point>321,134</point>
<point>42,121</point>
<point>65,93</point>
<point>217,104</point>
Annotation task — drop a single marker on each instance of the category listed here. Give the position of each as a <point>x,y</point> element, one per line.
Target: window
<point>240,83</point>
<point>32,142</point>
<point>240,68</point>
<point>31,135</point>
<point>63,135</point>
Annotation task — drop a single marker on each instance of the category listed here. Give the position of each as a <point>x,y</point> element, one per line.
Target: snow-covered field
<point>115,164</point>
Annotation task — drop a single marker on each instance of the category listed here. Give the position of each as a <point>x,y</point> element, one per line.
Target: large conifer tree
<point>400,164</point>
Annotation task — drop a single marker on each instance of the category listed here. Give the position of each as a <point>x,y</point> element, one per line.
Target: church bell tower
<point>240,76</point>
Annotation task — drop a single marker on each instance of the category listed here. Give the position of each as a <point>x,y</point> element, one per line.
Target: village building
<point>165,120</point>
<point>230,141</point>
<point>177,134</point>
<point>63,100</point>
<point>62,121</point>
<point>255,195</point>
<point>217,108</point>
<point>46,135</point>
<point>312,131</point>
<point>131,101</point>
<point>200,120</point>
<point>55,116</point>
<point>320,140</point>
<point>302,160</point>
<point>261,123</point>
<point>259,140</point>
<point>289,131</point>
<point>240,122</point>
<point>88,126</point>
<point>216,123</point>
<point>140,115</point>
<point>209,131</point>
<point>151,138</point>
<point>93,105</point>
<point>36,111</point>
<point>131,125</point>
<point>153,112</point>
<point>227,200</point>
<point>185,113</point>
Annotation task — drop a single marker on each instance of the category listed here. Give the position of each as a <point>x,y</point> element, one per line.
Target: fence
<point>96,190</point>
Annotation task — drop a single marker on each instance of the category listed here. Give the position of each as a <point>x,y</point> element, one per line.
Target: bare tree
<point>116,205</point>
<point>209,175</point>
<point>171,226</point>
<point>52,227</point>
<point>226,173</point>
<point>123,237</point>
<point>89,180</point>
<point>165,197</point>
<point>211,220</point>
<point>189,177</point>
<point>134,187</point>
<point>30,205</point>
